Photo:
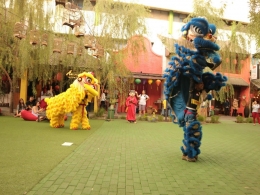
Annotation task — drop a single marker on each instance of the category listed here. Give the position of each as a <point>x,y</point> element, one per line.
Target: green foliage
<point>224,93</point>
<point>151,119</point>
<point>249,120</point>
<point>200,118</point>
<point>122,117</point>
<point>214,119</point>
<point>240,119</point>
<point>100,112</point>
<point>233,36</point>
<point>160,118</point>
<point>118,22</point>
<point>254,16</point>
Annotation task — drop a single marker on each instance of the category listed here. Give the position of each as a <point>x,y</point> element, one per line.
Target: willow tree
<point>232,36</point>
<point>253,26</point>
<point>114,24</point>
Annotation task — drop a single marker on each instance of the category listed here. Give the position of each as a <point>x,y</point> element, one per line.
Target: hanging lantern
<point>70,48</point>
<point>80,51</point>
<point>227,60</point>
<point>144,81</point>
<point>61,2</point>
<point>137,81</point>
<point>45,39</point>
<point>57,45</point>
<point>99,51</point>
<point>89,41</point>
<point>150,81</point>
<point>59,76</point>
<point>34,37</point>
<point>251,95</point>
<point>19,30</point>
<point>71,15</point>
<point>158,82</point>
<point>79,31</point>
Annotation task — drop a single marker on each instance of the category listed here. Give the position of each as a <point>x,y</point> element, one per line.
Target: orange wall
<point>146,62</point>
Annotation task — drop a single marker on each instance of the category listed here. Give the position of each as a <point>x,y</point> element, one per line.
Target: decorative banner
<point>150,81</point>
<point>158,82</point>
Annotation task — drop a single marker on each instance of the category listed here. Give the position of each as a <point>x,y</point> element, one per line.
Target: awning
<point>256,82</point>
<point>237,81</point>
<point>147,76</point>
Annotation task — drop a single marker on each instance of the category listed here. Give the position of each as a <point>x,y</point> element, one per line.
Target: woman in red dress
<point>131,103</point>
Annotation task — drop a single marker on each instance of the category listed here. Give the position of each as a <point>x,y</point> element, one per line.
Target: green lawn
<point>30,150</point>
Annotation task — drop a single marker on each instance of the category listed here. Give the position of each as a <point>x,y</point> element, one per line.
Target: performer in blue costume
<point>185,81</point>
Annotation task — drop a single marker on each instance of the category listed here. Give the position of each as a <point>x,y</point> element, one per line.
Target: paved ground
<point>144,158</point>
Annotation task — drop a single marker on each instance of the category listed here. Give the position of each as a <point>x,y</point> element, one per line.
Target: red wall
<point>145,62</point>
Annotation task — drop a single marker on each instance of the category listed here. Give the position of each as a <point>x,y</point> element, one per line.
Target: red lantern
<point>59,76</point>
<point>251,95</point>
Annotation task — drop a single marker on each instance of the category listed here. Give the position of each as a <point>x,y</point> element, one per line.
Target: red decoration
<point>251,95</point>
<point>57,87</point>
<point>158,82</point>
<point>59,76</point>
<point>4,77</point>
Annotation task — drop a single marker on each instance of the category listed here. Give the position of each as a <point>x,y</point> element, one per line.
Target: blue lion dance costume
<point>185,80</point>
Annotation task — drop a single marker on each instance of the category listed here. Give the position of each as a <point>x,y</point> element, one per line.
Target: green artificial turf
<point>30,150</point>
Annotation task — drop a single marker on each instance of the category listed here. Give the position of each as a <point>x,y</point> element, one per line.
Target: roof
<point>237,81</point>
<point>147,76</point>
<point>256,82</point>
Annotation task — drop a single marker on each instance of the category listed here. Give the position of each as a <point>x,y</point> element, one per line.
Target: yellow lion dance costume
<point>74,100</point>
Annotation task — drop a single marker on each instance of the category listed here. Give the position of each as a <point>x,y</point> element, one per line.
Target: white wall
<point>235,9</point>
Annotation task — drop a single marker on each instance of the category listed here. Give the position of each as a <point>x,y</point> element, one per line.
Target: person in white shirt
<point>142,102</point>
<point>255,115</point>
<point>103,100</point>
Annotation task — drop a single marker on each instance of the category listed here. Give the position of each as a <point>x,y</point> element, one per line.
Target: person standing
<point>226,107</point>
<point>235,107</point>
<point>142,102</point>
<point>103,100</point>
<point>131,103</point>
<point>255,115</point>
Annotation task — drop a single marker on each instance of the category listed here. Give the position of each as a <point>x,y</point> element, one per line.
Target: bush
<point>240,119</point>
<point>160,118</point>
<point>151,119</point>
<point>100,112</point>
<point>249,120</point>
<point>122,117</point>
<point>200,118</point>
<point>214,119</point>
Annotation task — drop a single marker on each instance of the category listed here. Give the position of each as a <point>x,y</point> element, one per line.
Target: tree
<point>33,52</point>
